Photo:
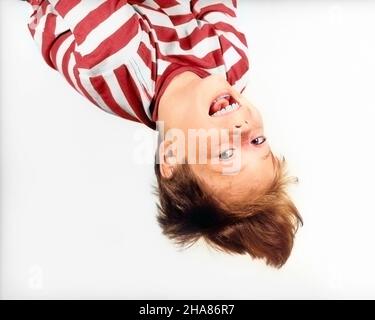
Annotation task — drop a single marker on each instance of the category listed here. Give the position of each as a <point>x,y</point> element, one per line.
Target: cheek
<point>198,120</point>
<point>197,150</point>
<point>258,168</point>
<point>265,173</point>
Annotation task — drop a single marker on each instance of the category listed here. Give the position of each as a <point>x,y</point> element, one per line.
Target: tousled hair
<point>263,227</point>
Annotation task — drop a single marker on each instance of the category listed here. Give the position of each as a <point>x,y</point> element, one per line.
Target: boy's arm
<point>201,7</point>
<point>222,14</point>
<point>101,28</point>
<point>95,44</point>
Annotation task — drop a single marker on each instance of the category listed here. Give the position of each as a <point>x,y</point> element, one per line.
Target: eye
<point>227,154</point>
<point>259,140</point>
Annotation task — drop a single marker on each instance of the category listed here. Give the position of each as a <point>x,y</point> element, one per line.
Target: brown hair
<point>263,227</point>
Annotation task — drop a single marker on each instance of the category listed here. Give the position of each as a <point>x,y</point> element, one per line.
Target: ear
<point>167,159</point>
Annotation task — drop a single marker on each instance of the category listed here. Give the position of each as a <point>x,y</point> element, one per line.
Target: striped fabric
<point>121,55</point>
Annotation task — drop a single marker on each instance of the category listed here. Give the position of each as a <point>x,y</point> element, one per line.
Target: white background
<point>78,215</point>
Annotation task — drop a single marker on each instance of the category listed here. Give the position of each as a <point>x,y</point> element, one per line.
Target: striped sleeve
<point>222,14</point>
<point>101,49</point>
<point>201,7</point>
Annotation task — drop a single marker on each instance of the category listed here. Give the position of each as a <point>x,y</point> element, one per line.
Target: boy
<point>180,67</point>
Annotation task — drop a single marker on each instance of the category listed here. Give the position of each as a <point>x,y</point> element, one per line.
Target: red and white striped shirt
<point>121,55</point>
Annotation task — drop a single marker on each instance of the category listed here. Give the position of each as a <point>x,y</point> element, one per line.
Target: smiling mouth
<point>223,105</point>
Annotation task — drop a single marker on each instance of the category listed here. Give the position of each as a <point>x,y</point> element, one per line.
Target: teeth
<point>231,107</point>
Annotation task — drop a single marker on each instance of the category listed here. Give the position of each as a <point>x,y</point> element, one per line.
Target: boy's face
<point>228,150</point>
